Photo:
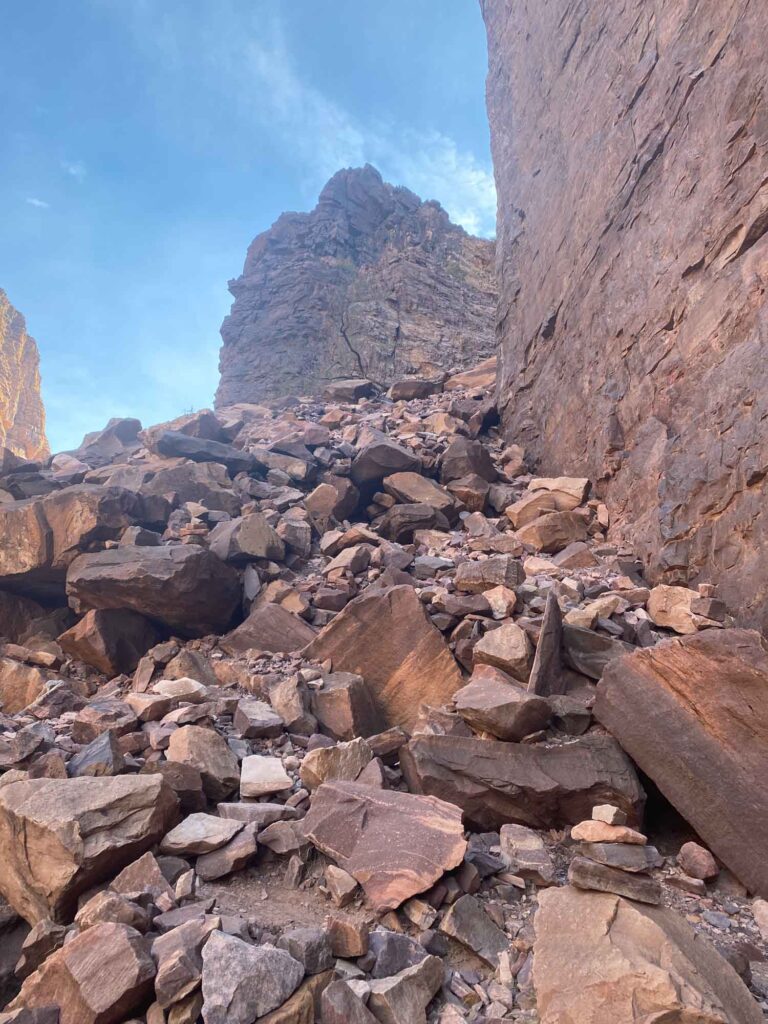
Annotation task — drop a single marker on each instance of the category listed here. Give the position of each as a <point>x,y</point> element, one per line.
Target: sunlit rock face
<point>372,283</point>
<point>630,146</point>
<point>22,417</point>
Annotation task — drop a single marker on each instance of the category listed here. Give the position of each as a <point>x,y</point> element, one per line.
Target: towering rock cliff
<point>372,283</point>
<point>22,417</point>
<point>631,153</point>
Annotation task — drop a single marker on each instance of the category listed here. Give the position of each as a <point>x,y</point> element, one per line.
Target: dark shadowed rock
<point>546,677</point>
<point>387,638</point>
<point>111,641</point>
<point>182,586</point>
<point>493,702</point>
<point>245,539</point>
<point>541,786</point>
<point>175,444</point>
<point>691,713</point>
<point>355,824</point>
<point>269,627</point>
<point>381,458</point>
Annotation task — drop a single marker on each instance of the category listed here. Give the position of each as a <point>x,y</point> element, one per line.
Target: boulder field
<point>334,710</point>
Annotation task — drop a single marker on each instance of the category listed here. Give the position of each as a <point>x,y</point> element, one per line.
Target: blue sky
<point>146,142</point>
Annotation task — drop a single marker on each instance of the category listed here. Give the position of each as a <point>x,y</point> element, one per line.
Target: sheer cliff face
<point>631,154</point>
<point>22,417</point>
<point>372,283</point>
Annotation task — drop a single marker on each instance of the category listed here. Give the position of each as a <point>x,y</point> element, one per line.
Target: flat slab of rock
<point>183,586</point>
<point>100,977</point>
<point>542,786</point>
<point>387,638</point>
<point>692,713</point>
<point>602,959</point>
<point>199,833</point>
<point>61,836</point>
<point>395,844</point>
<point>590,874</point>
<point>261,775</point>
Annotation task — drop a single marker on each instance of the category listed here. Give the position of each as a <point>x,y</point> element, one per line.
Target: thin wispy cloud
<point>39,203</point>
<point>75,169</point>
<point>247,63</point>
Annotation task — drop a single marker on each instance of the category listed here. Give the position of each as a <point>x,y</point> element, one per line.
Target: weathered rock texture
<point>372,283</point>
<point>22,417</point>
<point>630,147</point>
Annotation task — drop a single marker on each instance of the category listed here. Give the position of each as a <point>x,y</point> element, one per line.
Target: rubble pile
<point>332,709</point>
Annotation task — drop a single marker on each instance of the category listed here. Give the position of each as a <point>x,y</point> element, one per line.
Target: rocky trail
<point>332,709</point>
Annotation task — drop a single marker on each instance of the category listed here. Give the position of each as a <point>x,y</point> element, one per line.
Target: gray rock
<point>242,982</point>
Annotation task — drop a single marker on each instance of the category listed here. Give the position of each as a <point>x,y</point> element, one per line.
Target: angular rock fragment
<point>546,678</point>
<point>498,570</point>
<point>232,857</point>
<point>691,714</point>
<point>344,707</point>
<point>245,539</point>
<point>175,444</point>
<point>199,833</point>
<point>261,776</point>
<point>589,874</point>
<point>340,763</point>
<point>386,637</point>
<point>242,982</point>
<point>269,627</point>
<point>60,836</point>
<point>463,457</point>
<point>404,998</point>
<point>542,786</point>
<point>20,684</point>
<point>209,753</point>
<point>627,961</point>
<point>111,641</point>
<point>354,824</point>
<point>100,977</point>
<point>554,531</point>
<point>526,854</point>
<point>492,702</point>
<point>506,648</point>
<point>468,923</point>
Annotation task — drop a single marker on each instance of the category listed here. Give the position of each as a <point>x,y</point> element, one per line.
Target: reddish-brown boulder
<point>182,586</point>
<point>111,641</point>
<point>269,627</point>
<point>61,836</point>
<point>542,786</point>
<point>100,977</point>
<point>691,712</point>
<point>386,637</point>
<point>355,824</point>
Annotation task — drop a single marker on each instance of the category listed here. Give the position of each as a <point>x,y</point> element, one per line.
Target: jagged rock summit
<point>22,417</point>
<point>372,283</point>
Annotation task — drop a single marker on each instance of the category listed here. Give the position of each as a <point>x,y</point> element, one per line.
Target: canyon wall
<point>372,283</point>
<point>22,417</point>
<point>630,146</point>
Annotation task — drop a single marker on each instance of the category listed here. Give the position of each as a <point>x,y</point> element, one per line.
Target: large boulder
<point>17,615</point>
<point>111,641</point>
<point>542,785</point>
<point>182,586</point>
<point>41,536</point>
<point>242,982</point>
<point>692,713</point>
<point>176,444</point>
<point>604,959</point>
<point>382,457</point>
<point>99,977</point>
<point>61,836</point>
<point>394,844</point>
<point>387,638</point>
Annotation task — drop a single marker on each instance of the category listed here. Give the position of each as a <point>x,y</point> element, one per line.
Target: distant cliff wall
<point>373,282</point>
<point>22,417</point>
